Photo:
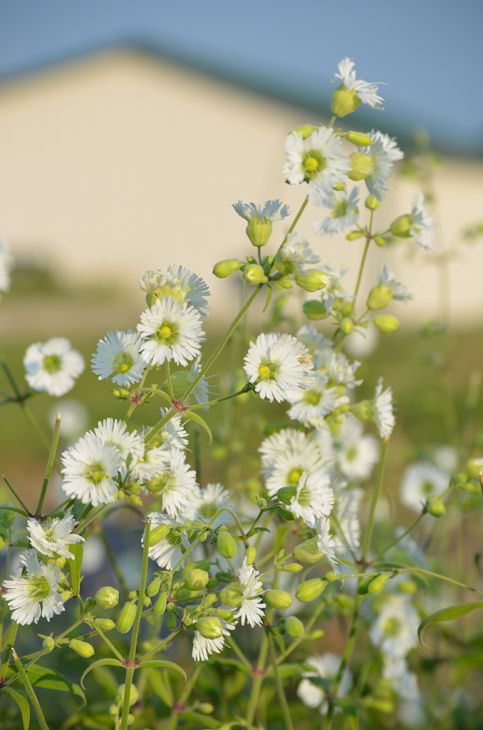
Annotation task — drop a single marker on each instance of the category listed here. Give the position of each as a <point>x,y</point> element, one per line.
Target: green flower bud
<point>283,283</point>
<point>379,241</point>
<point>354,235</point>
<point>364,410</point>
<point>254,274</point>
<point>226,543</point>
<point>206,708</point>
<point>435,507</point>
<point>361,166</point>
<point>372,203</point>
<point>472,487</point>
<point>232,595</point>
<point>224,614</point>
<point>305,130</point>
<point>408,587</point>
<point>401,226</point>
<point>309,590</point>
<point>120,393</point>
<point>345,307</point>
<point>475,468</point>
<point>360,139</point>
<point>195,578</point>
<point>82,648</point>
<point>259,230</point>
<point>312,280</point>
<point>379,297</point>
<point>126,618</point>
<point>317,634</point>
<point>386,323</point>
<point>158,533</point>
<point>278,599</point>
<point>331,575</point>
<point>133,694</point>
<point>295,627</point>
<point>154,587</point>
<point>171,621</point>
<point>314,310</point>
<point>226,267</point>
<point>308,552</point>
<point>107,597</point>
<point>347,325</point>
<point>291,568</point>
<point>344,101</point>
<point>210,627</point>
<point>377,584</point>
<point>160,606</point>
<point>48,643</point>
<point>250,555</point>
<point>105,624</point>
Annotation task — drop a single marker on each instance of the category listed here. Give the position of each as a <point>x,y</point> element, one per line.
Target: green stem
<point>361,271</point>
<point>115,565</point>
<point>105,639</point>
<point>35,426</point>
<point>133,406</point>
<point>131,662</point>
<point>17,497</point>
<point>366,543</point>
<point>30,691</point>
<point>279,685</point>
<point>245,389</point>
<point>259,674</point>
<point>50,464</point>
<point>9,642</point>
<point>182,699</point>
<point>241,656</point>
<point>400,538</point>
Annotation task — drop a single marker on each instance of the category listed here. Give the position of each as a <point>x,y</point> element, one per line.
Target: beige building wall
<point>123,162</point>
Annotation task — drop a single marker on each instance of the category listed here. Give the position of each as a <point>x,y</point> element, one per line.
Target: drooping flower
<point>170,331</point>
<point>383,410</point>
<point>399,291</point>
<point>113,432</point>
<point>383,153</point>
<point>314,497</point>
<point>273,210</point>
<point>347,509</point>
<point>325,667</point>
<point>311,405</point>
<point>52,366</point>
<point>316,159</point>
<point>177,283</point>
<point>344,211</point>
<point>176,484</point>
<point>366,91</point>
<point>287,455</point>
<point>211,499</point>
<point>34,593</point>
<point>6,264</point>
<point>327,543</point>
<point>252,606</point>
<point>295,255</point>
<point>395,629</point>
<point>203,647</point>
<point>420,481</point>
<point>422,227</point>
<point>89,470</point>
<point>278,364</point>
<point>118,356</point>
<point>167,552</point>
<point>53,538</point>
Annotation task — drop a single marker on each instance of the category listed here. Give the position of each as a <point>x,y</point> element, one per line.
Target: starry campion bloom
<point>316,159</point>
<point>278,364</point>
<point>34,593</point>
<point>383,153</point>
<point>420,481</point>
<point>399,291</point>
<point>327,543</point>
<point>203,647</point>
<point>252,606</point>
<point>89,470</point>
<point>355,453</point>
<point>53,366</point>
<point>54,537</point>
<point>118,356</point>
<point>113,432</point>
<point>167,550</point>
<point>366,92</point>
<point>395,630</point>
<point>6,265</point>
<point>273,210</point>
<point>347,509</point>
<point>295,255</point>
<point>326,667</point>
<point>175,484</point>
<point>177,283</point>
<point>313,498</point>
<point>287,455</point>
<point>383,410</point>
<point>422,228</point>
<point>170,331</point>
<point>310,406</point>
<point>211,499</point>
<point>344,211</point>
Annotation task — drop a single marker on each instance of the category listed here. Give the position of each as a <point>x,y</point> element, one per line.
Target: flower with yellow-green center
<point>54,537</point>
<point>355,453</point>
<point>252,607</point>
<point>175,484</point>
<point>324,667</point>
<point>287,455</point>
<point>170,331</point>
<point>177,283</point>
<point>344,211</point>
<point>395,630</point>
<point>278,364</point>
<point>53,366</point>
<point>118,357</point>
<point>316,159</point>
<point>33,592</point>
<point>311,405</point>
<point>365,92</point>
<point>314,497</point>
<point>203,647</point>
<point>421,480</point>
<point>89,471</point>
<point>380,159</point>
<point>295,255</point>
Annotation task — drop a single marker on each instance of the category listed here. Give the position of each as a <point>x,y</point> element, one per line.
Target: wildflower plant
<point>247,574</point>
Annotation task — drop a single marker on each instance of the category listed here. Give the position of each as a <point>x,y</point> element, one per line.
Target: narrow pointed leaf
<point>200,421</point>
<point>164,664</point>
<point>75,566</point>
<point>447,614</point>
<point>23,705</point>
<point>100,663</point>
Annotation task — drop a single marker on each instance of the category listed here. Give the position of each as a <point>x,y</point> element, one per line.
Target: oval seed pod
<point>126,618</point>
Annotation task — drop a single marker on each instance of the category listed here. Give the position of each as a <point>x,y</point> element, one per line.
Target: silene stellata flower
<point>170,331</point>
<point>33,592</point>
<point>118,357</point>
<point>251,610</point>
<point>317,159</point>
<point>277,364</point>
<point>53,538</point>
<point>177,283</point>
<point>52,366</point>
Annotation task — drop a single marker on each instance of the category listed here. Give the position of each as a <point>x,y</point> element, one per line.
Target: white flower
<point>327,543</point>
<point>362,341</point>
<point>202,647</point>
<point>313,339</point>
<point>344,211</point>
<point>170,331</point>
<point>287,455</point>
<point>422,228</point>
<point>167,552</point>
<point>212,498</point>
<point>172,435</point>
<point>113,432</point>
<point>395,630</point>
<point>89,470</point>
<point>6,264</point>
<point>273,210</point>
<point>355,452</point>
<point>311,405</point>
<point>399,291</point>
<point>317,159</point>
<point>33,594</point>
<point>365,90</point>
<point>347,509</point>
<point>314,497</point>
<point>178,283</point>
<point>325,666</point>
<point>54,537</point>
<point>278,364</point>
<point>383,152</point>
<point>337,367</point>
<point>420,481</point>
<point>150,463</point>
<point>52,366</point>
<point>251,609</point>
<point>118,357</point>
<point>295,254</point>
<point>175,484</point>
<point>383,410</point>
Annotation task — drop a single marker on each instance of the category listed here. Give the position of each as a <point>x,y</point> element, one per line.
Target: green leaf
<point>160,685</point>
<point>164,396</point>
<point>23,705</point>
<point>75,566</point>
<point>447,614</point>
<point>292,670</point>
<point>100,663</point>
<point>164,664</point>
<point>205,720</point>
<point>200,421</point>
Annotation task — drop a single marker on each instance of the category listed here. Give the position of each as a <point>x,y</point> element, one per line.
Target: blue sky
<point>429,52</point>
